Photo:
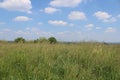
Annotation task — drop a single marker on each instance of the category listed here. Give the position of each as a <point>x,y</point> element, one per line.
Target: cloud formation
<point>89,26</point>
<point>57,22</point>
<point>50,10</point>
<point>17,5</point>
<point>65,3</point>
<point>98,28</point>
<point>77,15</point>
<point>104,16</point>
<point>110,30</point>
<point>22,19</point>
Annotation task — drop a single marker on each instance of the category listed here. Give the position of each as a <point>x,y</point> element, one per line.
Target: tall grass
<point>82,61</point>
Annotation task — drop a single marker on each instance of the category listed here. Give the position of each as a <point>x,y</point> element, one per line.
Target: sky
<point>66,20</point>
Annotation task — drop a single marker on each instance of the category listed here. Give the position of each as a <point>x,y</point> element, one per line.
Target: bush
<point>36,41</point>
<point>52,40</point>
<point>19,40</point>
<point>41,40</point>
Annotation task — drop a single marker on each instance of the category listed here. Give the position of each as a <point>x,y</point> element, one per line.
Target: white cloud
<point>40,23</point>
<point>65,3</point>
<point>98,28</point>
<point>27,28</point>
<point>89,26</point>
<point>22,19</point>
<point>110,20</point>
<point>20,32</point>
<point>105,17</point>
<point>50,10</point>
<point>77,15</point>
<point>110,29</point>
<point>102,15</point>
<point>58,22</point>
<point>17,5</point>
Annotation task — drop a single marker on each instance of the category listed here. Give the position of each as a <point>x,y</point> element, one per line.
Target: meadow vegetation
<point>44,61</point>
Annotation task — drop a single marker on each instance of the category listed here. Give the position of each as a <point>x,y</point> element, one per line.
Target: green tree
<point>19,40</point>
<point>52,40</point>
<point>36,41</point>
<point>41,40</point>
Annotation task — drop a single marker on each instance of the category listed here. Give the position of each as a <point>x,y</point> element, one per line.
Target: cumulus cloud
<point>110,20</point>
<point>98,28</point>
<point>65,3</point>
<point>77,15</point>
<point>89,26</point>
<point>105,17</point>
<point>50,10</point>
<point>17,5</point>
<point>102,15</point>
<point>40,23</point>
<point>110,29</point>
<point>22,19</point>
<point>57,22</point>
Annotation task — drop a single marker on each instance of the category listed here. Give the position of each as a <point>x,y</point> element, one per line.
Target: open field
<point>82,61</point>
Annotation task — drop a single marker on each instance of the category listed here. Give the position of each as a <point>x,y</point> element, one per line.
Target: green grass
<point>82,61</point>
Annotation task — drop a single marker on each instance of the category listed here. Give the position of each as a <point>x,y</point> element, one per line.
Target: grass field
<point>81,61</point>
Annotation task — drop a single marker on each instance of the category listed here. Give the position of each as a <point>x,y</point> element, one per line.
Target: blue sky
<point>67,20</point>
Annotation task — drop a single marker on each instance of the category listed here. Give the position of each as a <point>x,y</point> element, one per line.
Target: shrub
<point>41,40</point>
<point>52,40</point>
<point>19,40</point>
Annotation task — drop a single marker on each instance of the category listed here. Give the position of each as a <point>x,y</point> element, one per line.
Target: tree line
<point>51,40</point>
